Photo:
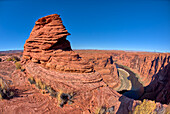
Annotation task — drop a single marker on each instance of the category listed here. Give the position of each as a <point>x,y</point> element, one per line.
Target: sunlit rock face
<point>48,45</point>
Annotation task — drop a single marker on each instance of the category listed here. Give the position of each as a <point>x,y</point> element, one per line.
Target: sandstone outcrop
<point>159,88</point>
<point>48,45</point>
<point>145,64</point>
<point>152,70</point>
<point>92,94</point>
<point>104,65</point>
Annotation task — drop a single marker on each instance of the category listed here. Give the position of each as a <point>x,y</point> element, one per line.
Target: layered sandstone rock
<point>153,70</point>
<point>92,93</point>
<point>104,65</point>
<point>159,88</point>
<point>144,64</point>
<point>47,45</point>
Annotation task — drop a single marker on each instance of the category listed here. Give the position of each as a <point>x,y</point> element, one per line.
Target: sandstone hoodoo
<point>48,45</point>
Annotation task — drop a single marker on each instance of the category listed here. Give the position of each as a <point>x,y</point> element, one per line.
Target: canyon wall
<point>144,64</point>
<point>159,88</point>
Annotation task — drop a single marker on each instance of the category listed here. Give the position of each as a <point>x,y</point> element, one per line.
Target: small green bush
<point>9,59</point>
<point>18,65</point>
<point>13,58</point>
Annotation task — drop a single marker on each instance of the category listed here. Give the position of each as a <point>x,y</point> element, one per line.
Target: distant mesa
<point>48,45</point>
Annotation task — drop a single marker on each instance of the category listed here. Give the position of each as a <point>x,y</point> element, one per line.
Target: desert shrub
<point>37,84</point>
<point>54,94</point>
<point>18,65</point>
<point>59,98</point>
<point>62,98</point>
<point>100,110</point>
<point>104,110</point>
<point>40,84</point>
<point>146,107</point>
<point>3,84</point>
<point>13,58</point>
<point>49,89</point>
<point>31,80</point>
<point>9,59</point>
<point>5,92</point>
<point>0,59</point>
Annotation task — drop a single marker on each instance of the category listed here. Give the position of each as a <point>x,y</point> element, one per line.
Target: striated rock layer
<point>92,95</point>
<point>145,64</point>
<point>91,92</point>
<point>152,70</point>
<point>47,45</point>
<point>159,88</point>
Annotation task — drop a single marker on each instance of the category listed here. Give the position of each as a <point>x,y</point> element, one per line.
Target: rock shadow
<point>125,106</point>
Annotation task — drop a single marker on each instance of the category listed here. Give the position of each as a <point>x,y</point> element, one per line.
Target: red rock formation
<point>47,45</point>
<point>153,70</point>
<point>145,64</point>
<point>104,65</point>
<point>159,88</point>
<point>92,91</point>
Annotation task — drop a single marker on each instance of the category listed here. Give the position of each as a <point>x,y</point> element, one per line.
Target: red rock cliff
<point>47,45</point>
<point>143,63</point>
<point>159,88</point>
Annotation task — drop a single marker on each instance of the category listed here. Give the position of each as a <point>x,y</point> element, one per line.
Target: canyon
<point>54,78</point>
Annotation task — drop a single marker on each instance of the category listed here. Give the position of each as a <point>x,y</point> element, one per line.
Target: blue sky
<point>140,25</point>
